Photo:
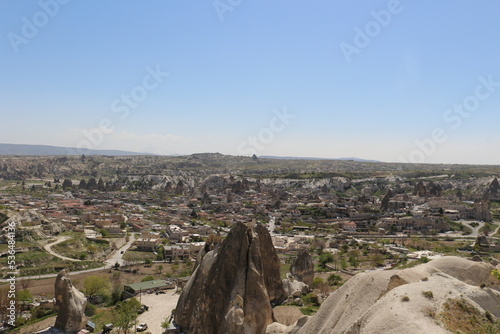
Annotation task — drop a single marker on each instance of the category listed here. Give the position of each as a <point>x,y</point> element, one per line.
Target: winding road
<point>475,230</point>
<point>60,239</point>
<point>115,256</point>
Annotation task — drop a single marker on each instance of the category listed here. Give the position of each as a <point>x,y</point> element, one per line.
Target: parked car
<point>143,309</point>
<point>142,327</point>
<point>107,328</point>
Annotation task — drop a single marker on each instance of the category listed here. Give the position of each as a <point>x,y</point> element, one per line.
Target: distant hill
<point>20,149</point>
<point>309,158</point>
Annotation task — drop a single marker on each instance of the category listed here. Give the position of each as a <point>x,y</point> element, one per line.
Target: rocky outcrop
<point>420,190</point>
<point>293,287</point>
<point>234,287</point>
<point>435,189</point>
<point>70,305</point>
<point>494,189</point>
<point>384,206</point>
<point>402,301</point>
<point>481,210</point>
<point>302,268</point>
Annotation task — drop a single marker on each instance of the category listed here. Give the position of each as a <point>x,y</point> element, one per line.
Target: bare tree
<point>25,283</point>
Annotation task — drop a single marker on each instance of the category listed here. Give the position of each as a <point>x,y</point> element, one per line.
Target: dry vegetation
<point>459,316</point>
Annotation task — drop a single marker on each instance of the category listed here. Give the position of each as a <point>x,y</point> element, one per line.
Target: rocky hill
<point>441,296</point>
<point>233,288</point>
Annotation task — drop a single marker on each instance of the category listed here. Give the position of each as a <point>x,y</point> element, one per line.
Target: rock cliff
<point>417,300</point>
<point>70,303</point>
<point>302,268</point>
<point>234,287</point>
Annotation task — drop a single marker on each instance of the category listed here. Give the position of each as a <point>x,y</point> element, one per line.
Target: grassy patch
<point>284,269</point>
<point>458,316</point>
<point>132,255</point>
<point>102,317</point>
<point>488,228</point>
<point>80,248</point>
<point>309,310</point>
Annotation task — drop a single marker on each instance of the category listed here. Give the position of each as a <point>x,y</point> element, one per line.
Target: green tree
<point>336,259</point>
<point>117,289</point>
<point>496,273</point>
<point>24,296</point>
<point>334,279</point>
<point>317,281</point>
<point>324,258</point>
<point>377,260</point>
<point>159,269</point>
<point>343,263</point>
<point>96,286</point>
<point>354,258</point>
<point>125,314</point>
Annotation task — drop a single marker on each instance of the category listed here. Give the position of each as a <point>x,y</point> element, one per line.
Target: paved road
<point>114,257</point>
<point>496,230</point>
<point>475,230</point>
<point>117,255</point>
<point>60,239</point>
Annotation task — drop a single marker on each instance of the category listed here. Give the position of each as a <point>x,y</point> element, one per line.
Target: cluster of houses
<point>179,224</point>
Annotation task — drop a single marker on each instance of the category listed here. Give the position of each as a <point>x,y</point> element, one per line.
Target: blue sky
<point>67,67</point>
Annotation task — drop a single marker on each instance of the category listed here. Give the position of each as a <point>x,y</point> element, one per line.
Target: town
<point>141,222</point>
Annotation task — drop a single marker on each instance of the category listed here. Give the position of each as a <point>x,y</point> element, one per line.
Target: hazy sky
<point>390,80</point>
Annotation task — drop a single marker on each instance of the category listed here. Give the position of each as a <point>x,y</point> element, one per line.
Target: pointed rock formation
<point>494,189</point>
<point>302,268</point>
<point>70,303</point>
<point>384,206</point>
<point>481,210</point>
<point>233,288</point>
<point>436,190</point>
<point>420,190</point>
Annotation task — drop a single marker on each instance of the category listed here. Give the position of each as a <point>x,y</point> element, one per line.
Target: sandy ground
<point>287,315</point>
<point>160,307</point>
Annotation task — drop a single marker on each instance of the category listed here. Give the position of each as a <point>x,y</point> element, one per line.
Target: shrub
<point>334,279</point>
<point>428,294</point>
<point>310,310</point>
<point>405,299</point>
<point>317,281</point>
<point>310,299</point>
<point>90,309</point>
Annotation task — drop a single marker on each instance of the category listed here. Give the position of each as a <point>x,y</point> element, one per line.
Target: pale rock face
<point>70,303</point>
<point>233,288</point>
<point>294,287</point>
<point>372,302</point>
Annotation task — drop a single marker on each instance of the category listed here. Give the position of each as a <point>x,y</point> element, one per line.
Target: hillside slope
<point>430,298</point>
